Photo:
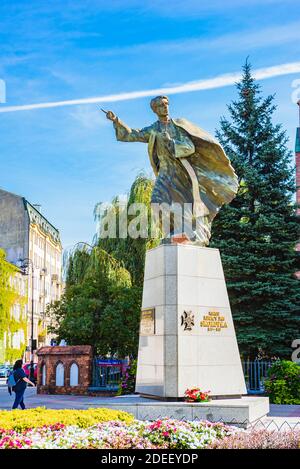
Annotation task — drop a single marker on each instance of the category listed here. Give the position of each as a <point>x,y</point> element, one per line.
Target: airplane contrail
<point>210,83</point>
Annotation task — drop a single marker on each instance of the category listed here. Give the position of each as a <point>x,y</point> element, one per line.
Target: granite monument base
<point>187,336</point>
<point>244,412</point>
<point>187,339</point>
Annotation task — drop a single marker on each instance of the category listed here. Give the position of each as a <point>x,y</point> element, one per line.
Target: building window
<point>74,372</point>
<point>60,375</point>
<point>16,342</point>
<point>44,375</point>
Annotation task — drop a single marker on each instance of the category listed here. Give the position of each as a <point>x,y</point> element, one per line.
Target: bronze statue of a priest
<point>192,171</point>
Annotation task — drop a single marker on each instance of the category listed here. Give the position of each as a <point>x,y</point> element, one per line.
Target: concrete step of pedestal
<point>241,412</point>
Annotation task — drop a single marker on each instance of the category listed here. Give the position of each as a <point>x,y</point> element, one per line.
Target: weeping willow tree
<point>77,265</point>
<point>102,300</point>
<point>131,251</point>
<point>100,307</point>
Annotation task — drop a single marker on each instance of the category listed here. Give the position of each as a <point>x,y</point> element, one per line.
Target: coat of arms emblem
<point>187,320</point>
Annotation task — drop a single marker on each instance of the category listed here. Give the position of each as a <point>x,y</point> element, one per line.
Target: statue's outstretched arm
<point>125,133</point>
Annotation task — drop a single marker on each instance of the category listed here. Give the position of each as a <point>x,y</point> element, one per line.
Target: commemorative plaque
<point>147,326</point>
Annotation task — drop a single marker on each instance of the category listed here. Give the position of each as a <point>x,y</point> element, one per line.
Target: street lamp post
<point>25,263</point>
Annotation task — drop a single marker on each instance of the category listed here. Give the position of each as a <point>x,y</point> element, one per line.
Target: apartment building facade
<point>32,243</point>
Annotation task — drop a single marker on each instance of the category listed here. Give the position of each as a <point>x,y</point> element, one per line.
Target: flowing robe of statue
<point>192,172</point>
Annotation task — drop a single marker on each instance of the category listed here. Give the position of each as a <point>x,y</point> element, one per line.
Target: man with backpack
<point>17,382</point>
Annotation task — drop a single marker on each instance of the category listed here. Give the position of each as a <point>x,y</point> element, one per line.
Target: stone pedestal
<point>243,412</point>
<point>187,336</point>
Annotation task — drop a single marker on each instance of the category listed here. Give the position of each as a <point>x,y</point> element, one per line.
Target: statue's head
<point>160,105</point>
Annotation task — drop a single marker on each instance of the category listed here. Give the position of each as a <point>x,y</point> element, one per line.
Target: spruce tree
<point>258,231</point>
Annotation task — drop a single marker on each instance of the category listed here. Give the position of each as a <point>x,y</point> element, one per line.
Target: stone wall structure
<point>58,368</point>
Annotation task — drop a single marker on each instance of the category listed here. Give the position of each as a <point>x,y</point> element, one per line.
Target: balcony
<point>55,279</point>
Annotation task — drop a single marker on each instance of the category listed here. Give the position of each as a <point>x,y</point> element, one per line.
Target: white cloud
<point>210,83</point>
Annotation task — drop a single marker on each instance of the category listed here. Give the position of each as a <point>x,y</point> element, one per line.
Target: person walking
<point>21,384</point>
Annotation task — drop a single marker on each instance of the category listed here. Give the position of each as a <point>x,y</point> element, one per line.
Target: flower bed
<point>101,428</point>
<point>260,439</point>
<point>40,416</point>
<point>164,434</point>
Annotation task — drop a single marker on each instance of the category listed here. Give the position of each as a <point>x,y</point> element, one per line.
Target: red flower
<point>196,395</point>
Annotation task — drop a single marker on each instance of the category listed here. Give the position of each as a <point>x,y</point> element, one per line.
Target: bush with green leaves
<point>283,383</point>
<point>127,385</point>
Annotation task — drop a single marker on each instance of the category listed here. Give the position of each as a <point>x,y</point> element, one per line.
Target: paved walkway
<point>280,416</point>
<point>32,399</point>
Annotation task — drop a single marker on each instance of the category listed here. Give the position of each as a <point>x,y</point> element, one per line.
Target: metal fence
<point>107,374</point>
<point>255,373</point>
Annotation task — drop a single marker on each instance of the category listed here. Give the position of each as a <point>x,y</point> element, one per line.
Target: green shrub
<point>283,383</point>
<point>127,385</point>
<point>34,418</point>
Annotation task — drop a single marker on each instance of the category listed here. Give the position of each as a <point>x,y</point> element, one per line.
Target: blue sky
<point>66,158</point>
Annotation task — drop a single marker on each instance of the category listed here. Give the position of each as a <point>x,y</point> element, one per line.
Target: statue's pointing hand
<point>110,115</point>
